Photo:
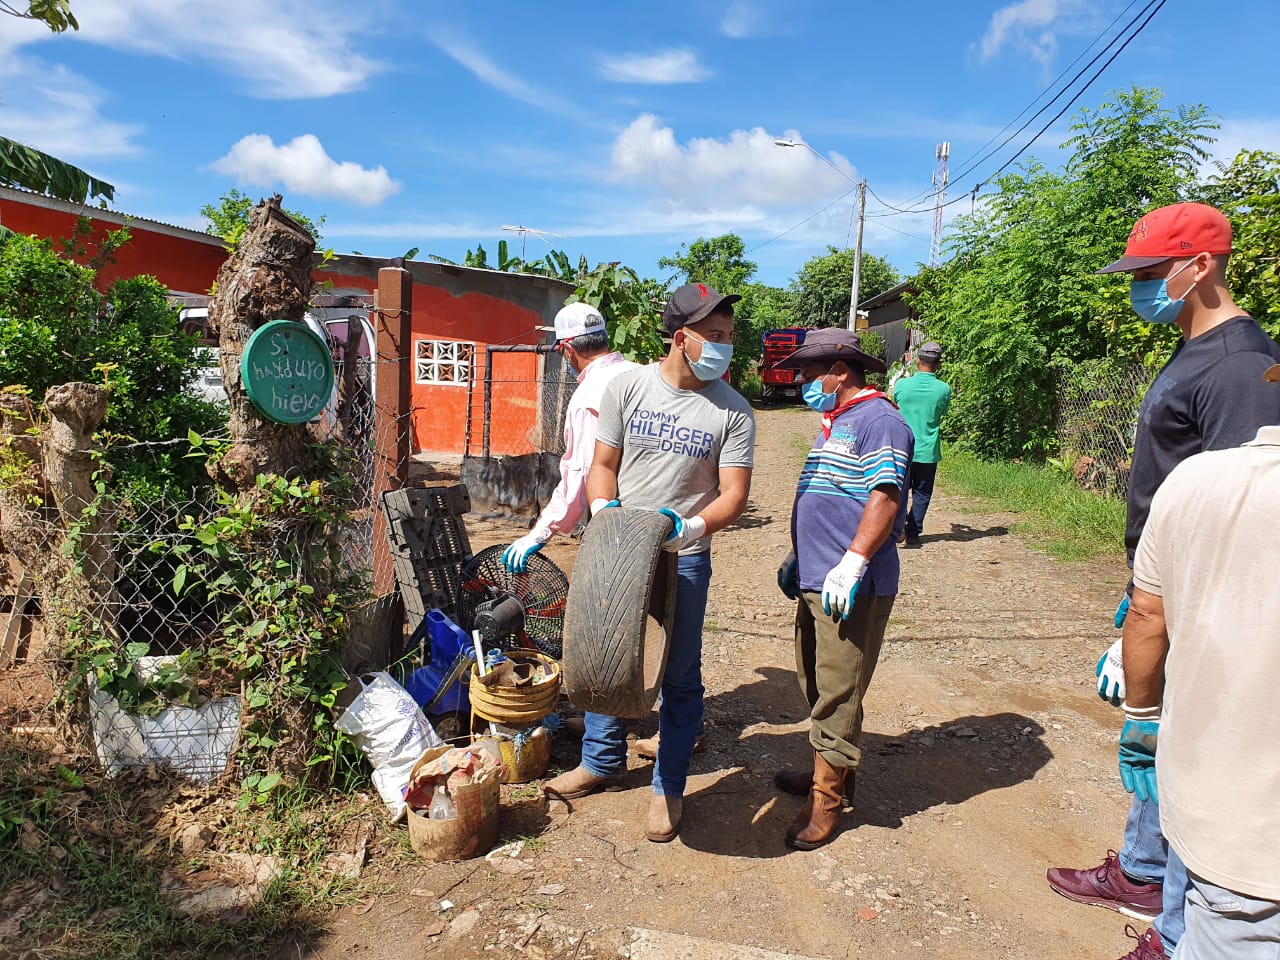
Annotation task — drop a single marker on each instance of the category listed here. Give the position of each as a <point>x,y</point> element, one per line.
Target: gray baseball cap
<point>931,352</point>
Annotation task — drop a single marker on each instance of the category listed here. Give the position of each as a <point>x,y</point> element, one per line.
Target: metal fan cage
<point>541,590</point>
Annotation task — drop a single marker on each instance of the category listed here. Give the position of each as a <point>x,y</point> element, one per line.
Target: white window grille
<point>443,362</point>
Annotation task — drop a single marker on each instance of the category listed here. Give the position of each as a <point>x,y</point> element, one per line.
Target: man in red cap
<point>1209,396</point>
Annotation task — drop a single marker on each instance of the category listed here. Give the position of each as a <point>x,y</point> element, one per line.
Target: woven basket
<point>517,706</point>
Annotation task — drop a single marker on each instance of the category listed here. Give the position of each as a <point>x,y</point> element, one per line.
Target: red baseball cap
<point>1179,230</point>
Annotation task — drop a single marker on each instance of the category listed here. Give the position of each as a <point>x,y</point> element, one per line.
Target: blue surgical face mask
<point>713,362</point>
<point>816,398</point>
<point>1151,300</point>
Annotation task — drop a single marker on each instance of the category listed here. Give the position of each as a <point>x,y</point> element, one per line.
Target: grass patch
<point>86,861</point>
<point>1054,514</point>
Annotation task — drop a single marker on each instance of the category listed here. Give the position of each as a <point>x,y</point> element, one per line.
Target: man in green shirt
<point>923,399</point>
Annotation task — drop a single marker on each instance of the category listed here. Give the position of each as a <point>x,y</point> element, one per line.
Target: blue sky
<point>626,128</point>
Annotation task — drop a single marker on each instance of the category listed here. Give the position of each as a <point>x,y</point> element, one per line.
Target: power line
<point>965,170</point>
<point>1153,6</point>
<point>1101,53</point>
<point>765,243</point>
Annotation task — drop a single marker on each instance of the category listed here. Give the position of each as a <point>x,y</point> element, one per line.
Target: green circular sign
<point>287,372</point>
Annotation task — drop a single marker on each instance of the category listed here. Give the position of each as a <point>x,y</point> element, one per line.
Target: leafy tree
<point>630,304</point>
<point>822,288</point>
<point>32,169</point>
<point>58,328</point>
<point>720,263</point>
<point>229,218</point>
<point>761,308</point>
<point>1018,303</point>
<point>56,14</point>
<point>1248,192</point>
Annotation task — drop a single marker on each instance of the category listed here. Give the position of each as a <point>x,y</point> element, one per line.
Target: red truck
<point>777,345</point>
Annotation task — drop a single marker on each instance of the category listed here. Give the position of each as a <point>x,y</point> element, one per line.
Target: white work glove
<point>685,531</point>
<point>600,503</point>
<point>516,557</point>
<point>1110,674</point>
<point>841,585</point>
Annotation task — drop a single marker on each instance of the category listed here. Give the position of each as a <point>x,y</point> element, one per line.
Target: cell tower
<point>940,176</point>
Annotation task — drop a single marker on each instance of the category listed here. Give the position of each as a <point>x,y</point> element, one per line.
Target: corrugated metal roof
<point>30,197</point>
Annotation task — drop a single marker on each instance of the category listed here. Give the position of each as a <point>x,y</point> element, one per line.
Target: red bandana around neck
<point>866,393</point>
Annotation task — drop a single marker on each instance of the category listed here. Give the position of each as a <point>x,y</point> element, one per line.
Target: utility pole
<point>940,179</point>
<point>862,216</point>
<point>857,256</point>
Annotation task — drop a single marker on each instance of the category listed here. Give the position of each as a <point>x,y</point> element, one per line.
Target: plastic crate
<point>429,544</point>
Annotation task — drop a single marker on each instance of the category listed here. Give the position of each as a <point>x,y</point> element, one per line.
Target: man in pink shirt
<point>583,342</point>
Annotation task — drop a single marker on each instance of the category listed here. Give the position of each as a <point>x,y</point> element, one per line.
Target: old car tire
<point>618,617</point>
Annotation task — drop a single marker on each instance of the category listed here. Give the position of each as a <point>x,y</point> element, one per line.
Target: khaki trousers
<point>834,662</point>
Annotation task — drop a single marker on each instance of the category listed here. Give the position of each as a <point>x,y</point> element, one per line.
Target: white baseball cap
<point>575,319</point>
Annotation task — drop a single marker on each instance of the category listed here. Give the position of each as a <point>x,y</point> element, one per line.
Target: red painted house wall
<point>187,261</point>
<point>440,411</point>
<point>184,264</point>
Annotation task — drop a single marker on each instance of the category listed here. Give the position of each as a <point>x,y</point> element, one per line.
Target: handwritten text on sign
<point>289,373</point>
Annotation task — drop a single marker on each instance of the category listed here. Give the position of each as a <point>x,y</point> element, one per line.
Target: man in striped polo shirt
<point>843,569</point>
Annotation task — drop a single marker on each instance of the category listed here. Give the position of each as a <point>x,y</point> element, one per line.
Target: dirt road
<point>989,757</point>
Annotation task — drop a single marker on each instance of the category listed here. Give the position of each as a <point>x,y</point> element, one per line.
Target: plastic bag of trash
<point>389,728</point>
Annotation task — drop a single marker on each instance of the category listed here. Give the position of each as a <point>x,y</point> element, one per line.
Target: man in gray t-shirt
<point>674,437</point>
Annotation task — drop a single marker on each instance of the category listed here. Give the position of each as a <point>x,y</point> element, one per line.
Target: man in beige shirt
<point>1202,669</point>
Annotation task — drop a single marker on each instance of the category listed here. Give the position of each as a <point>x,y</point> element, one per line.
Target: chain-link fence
<point>518,402</point>
<point>515,436</point>
<point>1097,411</point>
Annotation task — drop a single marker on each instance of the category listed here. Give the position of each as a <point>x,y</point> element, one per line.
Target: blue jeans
<point>604,745</point>
<point>921,480</point>
<point>1225,925</point>
<point>1147,856</point>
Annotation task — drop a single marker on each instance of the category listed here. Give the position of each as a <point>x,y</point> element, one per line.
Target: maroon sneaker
<point>1149,945</point>
<point>1107,886</point>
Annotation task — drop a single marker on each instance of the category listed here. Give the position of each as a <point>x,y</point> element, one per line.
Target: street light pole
<point>857,256</point>
<point>862,216</point>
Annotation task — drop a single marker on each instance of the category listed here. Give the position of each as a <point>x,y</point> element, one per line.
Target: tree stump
<point>75,411</point>
<point>268,277</point>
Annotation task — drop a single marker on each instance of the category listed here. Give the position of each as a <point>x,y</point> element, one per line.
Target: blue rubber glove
<point>685,531</point>
<point>841,585</point>
<point>789,577</point>
<point>1138,758</point>
<point>516,557</point>
<point>1122,611</point>
<point>1110,674</point>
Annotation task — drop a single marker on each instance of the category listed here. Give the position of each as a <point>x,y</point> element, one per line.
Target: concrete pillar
<point>393,331</point>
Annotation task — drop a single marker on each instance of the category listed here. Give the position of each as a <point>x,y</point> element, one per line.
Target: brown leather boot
<point>800,782</point>
<point>821,814</point>
<point>647,748</point>
<point>578,782</point>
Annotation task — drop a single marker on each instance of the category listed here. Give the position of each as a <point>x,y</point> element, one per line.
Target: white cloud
<point>743,19</point>
<point>666,66</point>
<point>303,166</point>
<point>1032,27</point>
<point>59,112</point>
<point>492,75</point>
<point>1245,134</point>
<point>744,168</point>
<point>282,49</point>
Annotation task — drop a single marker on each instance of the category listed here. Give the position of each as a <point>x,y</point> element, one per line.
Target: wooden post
<point>394,406</point>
